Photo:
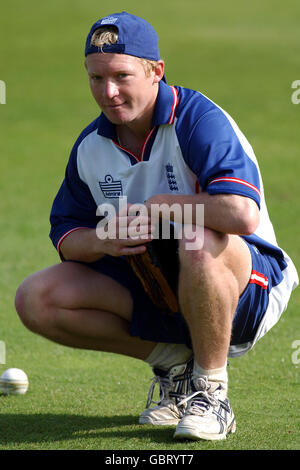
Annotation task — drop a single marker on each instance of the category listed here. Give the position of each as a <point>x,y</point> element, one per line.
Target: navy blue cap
<point>135,36</point>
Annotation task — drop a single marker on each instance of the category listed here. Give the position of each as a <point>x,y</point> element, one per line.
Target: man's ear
<point>159,71</point>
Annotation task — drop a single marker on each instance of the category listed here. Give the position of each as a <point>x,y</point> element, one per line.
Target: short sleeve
<point>216,150</point>
<point>73,207</point>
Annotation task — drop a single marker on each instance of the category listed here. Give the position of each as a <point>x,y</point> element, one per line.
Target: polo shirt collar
<point>166,103</point>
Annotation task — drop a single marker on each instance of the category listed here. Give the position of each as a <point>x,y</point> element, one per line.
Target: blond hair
<point>107,35</point>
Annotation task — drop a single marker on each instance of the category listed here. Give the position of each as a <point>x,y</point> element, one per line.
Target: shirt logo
<point>109,20</point>
<point>110,187</point>
<point>171,178</point>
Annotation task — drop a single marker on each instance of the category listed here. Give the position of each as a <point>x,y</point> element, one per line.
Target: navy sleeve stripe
<point>235,180</point>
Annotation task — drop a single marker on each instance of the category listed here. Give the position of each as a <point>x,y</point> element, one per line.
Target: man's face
<point>121,88</point>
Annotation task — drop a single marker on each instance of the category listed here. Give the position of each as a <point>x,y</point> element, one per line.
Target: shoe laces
<point>201,400</point>
<point>173,388</point>
<point>165,385</point>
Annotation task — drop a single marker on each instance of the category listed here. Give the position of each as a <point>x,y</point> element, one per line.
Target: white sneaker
<point>175,386</point>
<point>208,414</point>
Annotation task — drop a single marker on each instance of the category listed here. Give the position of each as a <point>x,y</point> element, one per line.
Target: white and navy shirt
<point>193,146</point>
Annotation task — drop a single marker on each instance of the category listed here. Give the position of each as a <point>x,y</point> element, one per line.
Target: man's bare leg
<point>78,307</point>
<point>211,281</point>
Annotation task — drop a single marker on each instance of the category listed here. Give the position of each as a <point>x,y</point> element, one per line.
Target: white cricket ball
<point>14,382</point>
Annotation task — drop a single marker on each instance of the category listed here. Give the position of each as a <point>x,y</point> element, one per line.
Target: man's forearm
<point>226,213</point>
<point>82,245</point>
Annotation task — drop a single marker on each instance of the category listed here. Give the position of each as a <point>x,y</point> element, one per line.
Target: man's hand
<point>129,236</point>
<point>131,232</point>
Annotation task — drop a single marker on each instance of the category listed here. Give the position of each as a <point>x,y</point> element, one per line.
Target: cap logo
<point>109,20</point>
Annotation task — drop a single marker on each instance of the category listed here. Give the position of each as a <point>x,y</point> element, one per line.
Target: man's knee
<point>201,247</point>
<point>31,301</point>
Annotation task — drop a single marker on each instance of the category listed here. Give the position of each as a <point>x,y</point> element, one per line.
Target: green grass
<point>242,55</point>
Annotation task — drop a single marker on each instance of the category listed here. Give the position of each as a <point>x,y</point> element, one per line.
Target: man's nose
<point>111,90</point>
